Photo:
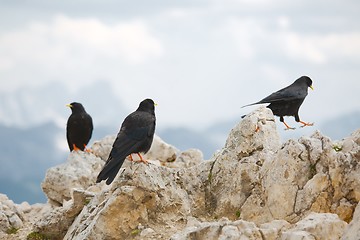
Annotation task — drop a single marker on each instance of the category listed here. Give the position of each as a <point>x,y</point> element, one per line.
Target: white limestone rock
<point>146,194</point>
<point>79,171</point>
<point>257,187</point>
<point>352,230</point>
<point>253,176</point>
<point>11,216</point>
<point>24,207</point>
<point>186,159</point>
<point>226,229</point>
<point>222,229</point>
<point>102,148</point>
<point>272,230</point>
<point>317,226</point>
<point>159,150</point>
<point>257,131</point>
<point>251,142</point>
<point>55,223</point>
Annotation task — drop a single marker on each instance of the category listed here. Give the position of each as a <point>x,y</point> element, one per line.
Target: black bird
<point>79,127</point>
<point>287,101</point>
<point>136,135</point>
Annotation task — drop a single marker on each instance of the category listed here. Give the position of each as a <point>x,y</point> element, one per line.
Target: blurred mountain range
<point>28,107</point>
<point>32,133</point>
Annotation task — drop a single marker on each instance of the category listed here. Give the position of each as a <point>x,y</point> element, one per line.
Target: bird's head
<point>308,82</point>
<point>76,107</point>
<point>147,105</point>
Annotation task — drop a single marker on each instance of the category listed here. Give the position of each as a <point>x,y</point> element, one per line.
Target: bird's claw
<point>306,124</point>
<point>289,128</point>
<point>75,148</point>
<point>88,150</point>
<point>143,161</point>
<point>130,158</point>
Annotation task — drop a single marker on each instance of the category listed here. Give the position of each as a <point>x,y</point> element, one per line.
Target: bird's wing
<point>89,127</point>
<point>286,94</point>
<point>72,128</point>
<point>123,146</point>
<point>134,130</point>
<point>131,136</point>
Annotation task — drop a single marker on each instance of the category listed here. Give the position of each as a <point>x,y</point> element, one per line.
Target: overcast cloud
<point>199,60</point>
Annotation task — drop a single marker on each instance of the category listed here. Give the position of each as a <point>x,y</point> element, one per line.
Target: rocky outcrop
<point>79,171</point>
<point>160,151</point>
<point>11,215</point>
<point>352,231</point>
<point>17,220</point>
<point>81,168</point>
<point>254,188</point>
<point>314,226</point>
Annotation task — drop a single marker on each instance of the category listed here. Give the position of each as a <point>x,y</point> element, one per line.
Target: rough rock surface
<point>11,215</point>
<point>160,150</point>
<point>352,231</point>
<point>314,226</point>
<point>317,226</point>
<point>17,220</point>
<point>81,168</point>
<point>79,171</point>
<point>254,188</point>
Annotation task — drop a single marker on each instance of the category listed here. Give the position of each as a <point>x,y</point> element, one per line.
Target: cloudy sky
<point>199,60</point>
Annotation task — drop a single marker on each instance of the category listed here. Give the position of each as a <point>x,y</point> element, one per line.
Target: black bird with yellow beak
<point>287,101</point>
<point>135,136</point>
<point>79,127</point>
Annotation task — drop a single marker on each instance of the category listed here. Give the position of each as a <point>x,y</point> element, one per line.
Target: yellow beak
<point>312,88</point>
<point>69,105</point>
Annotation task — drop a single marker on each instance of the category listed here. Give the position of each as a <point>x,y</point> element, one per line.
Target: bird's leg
<point>297,118</point>
<point>141,159</point>
<point>306,124</point>
<point>75,148</point>
<point>287,126</point>
<point>87,149</point>
<point>130,158</point>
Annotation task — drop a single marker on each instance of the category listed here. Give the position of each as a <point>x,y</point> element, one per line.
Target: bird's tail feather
<point>112,174</point>
<point>115,161</point>
<point>250,104</point>
<point>109,171</point>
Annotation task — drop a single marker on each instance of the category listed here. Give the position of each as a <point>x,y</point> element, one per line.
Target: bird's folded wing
<point>122,147</point>
<point>285,94</point>
<point>137,134</point>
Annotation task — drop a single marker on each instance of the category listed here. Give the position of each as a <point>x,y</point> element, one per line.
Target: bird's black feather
<point>79,127</point>
<point>135,136</point>
<point>287,101</point>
